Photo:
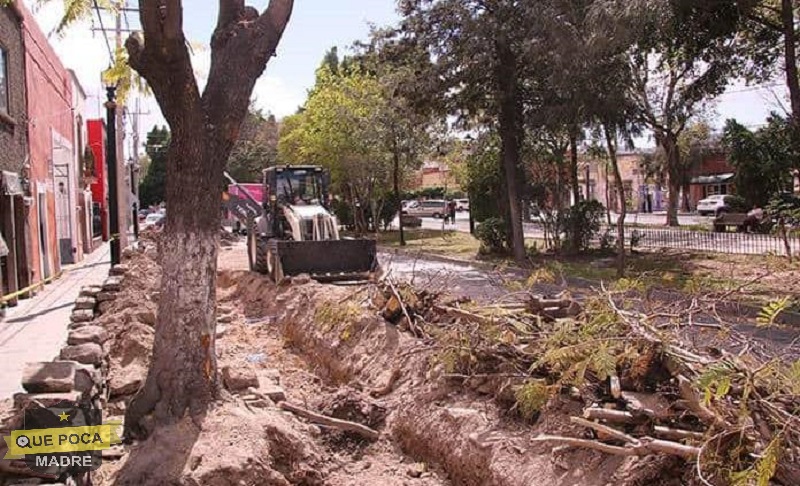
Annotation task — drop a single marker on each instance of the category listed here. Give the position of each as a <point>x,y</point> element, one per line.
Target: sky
<point>315,26</point>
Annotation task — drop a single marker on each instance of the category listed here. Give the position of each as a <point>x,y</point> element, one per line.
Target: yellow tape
<point>61,439</point>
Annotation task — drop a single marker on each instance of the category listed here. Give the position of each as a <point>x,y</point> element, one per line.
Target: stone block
<point>87,379</point>
<point>85,303</point>
<point>23,400</point>
<point>106,297</point>
<point>120,269</point>
<point>274,392</point>
<point>87,334</point>
<point>87,353</point>
<point>113,284</point>
<point>239,378</point>
<point>90,291</point>
<point>82,315</point>
<point>49,377</point>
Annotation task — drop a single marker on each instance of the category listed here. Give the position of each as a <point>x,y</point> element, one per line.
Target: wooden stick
<point>669,447</point>
<point>403,308</point>
<point>605,429</point>
<point>692,402</point>
<point>615,416</point>
<point>362,430</point>
<point>677,434</point>
<point>588,444</point>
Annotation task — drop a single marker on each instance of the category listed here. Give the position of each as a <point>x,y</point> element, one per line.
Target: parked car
<point>721,203</point>
<point>462,205</point>
<point>433,208</point>
<point>153,220</point>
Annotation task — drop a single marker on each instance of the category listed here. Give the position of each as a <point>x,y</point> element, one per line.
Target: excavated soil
<point>334,354</point>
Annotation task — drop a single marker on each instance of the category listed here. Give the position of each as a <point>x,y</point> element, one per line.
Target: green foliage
<point>331,314</point>
<point>785,207</point>
<point>256,147</point>
<point>737,204</point>
<point>531,397</point>
<point>153,186</point>
<point>763,470</point>
<point>763,159</point>
<point>493,235</point>
<point>484,179</point>
<point>715,382</point>
<point>770,312</point>
<point>581,224</point>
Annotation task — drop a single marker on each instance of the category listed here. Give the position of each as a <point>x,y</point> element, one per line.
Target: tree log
<point>359,429</point>
<point>646,447</point>
<point>614,416</point>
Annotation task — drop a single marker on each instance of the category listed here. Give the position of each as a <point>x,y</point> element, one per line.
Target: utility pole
<point>123,192</point>
<point>111,159</point>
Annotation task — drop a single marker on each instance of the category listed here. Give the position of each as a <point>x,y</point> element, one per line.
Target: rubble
<point>239,378</point>
<point>87,334</point>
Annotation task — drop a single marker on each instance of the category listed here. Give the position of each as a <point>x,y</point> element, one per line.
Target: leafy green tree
<point>763,159</point>
<point>153,186</point>
<point>256,148</point>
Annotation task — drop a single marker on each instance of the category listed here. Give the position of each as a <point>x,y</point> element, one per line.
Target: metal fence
<point>707,241</point>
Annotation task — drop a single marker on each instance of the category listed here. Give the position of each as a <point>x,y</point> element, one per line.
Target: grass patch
<point>439,242</point>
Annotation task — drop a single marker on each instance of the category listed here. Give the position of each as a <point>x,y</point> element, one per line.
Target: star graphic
<point>63,417</point>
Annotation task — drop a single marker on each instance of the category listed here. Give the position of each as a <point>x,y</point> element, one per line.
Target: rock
<point>82,315</point>
<point>113,453</point>
<point>113,284</point>
<point>126,381</point>
<point>104,307</point>
<point>225,319</point>
<point>106,296</point>
<point>274,392</point>
<point>239,378</point>
<point>416,470</point>
<point>87,353</point>
<point>90,291</point>
<point>87,334</point>
<point>78,325</point>
<point>221,330</point>
<point>23,400</point>
<point>270,375</point>
<point>85,303</point>
<point>86,379</point>
<point>120,269</point>
<point>49,377</point>
<point>147,316</point>
<point>301,279</point>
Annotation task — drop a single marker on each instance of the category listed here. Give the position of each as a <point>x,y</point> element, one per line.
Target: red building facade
<point>96,131</point>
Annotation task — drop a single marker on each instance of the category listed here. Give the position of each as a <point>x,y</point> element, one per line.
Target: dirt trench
<point>331,352</point>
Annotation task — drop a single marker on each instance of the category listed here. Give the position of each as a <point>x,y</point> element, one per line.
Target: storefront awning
<point>713,179</point>
<point>12,186</point>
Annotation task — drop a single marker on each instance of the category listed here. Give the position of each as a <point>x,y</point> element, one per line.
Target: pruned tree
<point>204,127</point>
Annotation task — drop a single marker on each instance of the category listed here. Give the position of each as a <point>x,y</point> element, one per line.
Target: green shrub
<point>493,235</point>
<point>736,204</point>
<point>581,223</point>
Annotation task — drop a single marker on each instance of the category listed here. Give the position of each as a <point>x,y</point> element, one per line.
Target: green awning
<point>713,179</point>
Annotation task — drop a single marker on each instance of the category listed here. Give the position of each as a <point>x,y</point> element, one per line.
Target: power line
<point>105,34</point>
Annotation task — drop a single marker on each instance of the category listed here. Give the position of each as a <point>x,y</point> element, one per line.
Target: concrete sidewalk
<point>36,329</point>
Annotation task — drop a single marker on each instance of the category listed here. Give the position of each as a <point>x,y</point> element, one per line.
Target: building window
<point>3,80</point>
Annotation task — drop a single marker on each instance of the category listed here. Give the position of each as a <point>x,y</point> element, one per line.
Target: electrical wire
<point>105,34</point>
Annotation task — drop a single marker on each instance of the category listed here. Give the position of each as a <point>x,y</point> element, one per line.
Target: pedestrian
<point>451,211</point>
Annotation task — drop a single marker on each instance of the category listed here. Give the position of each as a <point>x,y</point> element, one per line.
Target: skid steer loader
<point>296,232</point>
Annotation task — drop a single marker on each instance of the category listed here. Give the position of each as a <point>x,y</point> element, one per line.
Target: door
<point>64,207</point>
<point>43,248</point>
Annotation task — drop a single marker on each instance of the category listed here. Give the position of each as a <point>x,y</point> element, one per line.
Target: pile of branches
<point>645,389</point>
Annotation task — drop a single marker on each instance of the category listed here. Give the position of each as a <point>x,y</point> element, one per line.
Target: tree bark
<point>669,143</point>
<point>790,56</point>
<point>396,184</point>
<point>611,144</point>
<point>183,372</point>
<point>510,135</point>
<point>573,168</point>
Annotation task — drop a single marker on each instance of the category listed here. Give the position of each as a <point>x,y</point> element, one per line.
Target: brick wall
<point>13,131</point>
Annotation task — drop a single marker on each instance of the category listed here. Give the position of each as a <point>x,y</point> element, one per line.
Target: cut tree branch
<point>362,430</point>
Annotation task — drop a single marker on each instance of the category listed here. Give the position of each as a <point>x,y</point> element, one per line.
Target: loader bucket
<point>329,260</point>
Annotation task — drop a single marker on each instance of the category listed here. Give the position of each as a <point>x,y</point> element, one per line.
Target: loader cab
<point>296,185</point>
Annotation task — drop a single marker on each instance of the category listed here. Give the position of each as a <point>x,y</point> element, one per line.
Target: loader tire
<point>261,262</point>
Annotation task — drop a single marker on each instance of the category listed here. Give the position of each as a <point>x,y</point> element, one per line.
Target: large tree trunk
<point>611,144</point>
<point>790,57</point>
<point>183,372</point>
<point>510,136</point>
<point>669,143</point>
